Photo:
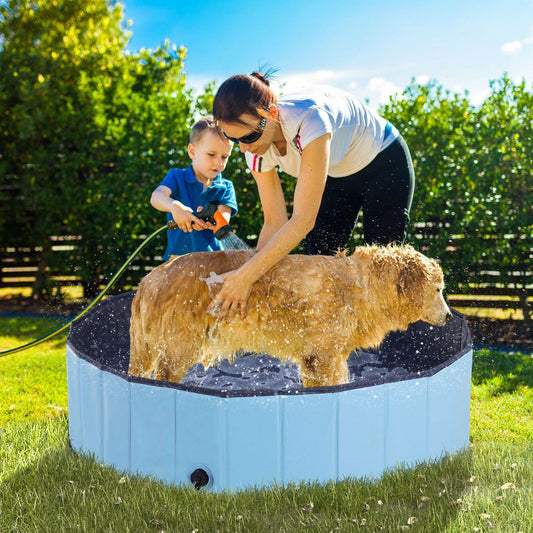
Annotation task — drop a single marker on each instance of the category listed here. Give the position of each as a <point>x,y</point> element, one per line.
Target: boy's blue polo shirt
<point>190,192</point>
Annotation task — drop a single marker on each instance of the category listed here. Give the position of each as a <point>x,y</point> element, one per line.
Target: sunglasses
<point>251,137</point>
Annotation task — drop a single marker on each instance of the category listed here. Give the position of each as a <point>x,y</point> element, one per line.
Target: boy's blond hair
<point>206,123</point>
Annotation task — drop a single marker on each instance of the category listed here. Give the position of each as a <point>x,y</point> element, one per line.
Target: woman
<point>345,157</point>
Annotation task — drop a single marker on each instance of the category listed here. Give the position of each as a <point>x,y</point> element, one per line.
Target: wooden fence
<point>486,285</point>
<point>22,267</point>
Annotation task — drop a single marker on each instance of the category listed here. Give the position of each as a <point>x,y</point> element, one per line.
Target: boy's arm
<point>183,215</point>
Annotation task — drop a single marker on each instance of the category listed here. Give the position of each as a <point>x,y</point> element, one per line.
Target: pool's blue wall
<point>251,441</point>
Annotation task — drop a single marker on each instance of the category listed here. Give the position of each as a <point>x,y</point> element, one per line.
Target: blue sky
<point>370,48</point>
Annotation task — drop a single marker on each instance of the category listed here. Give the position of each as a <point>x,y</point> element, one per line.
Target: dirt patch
<point>508,333</point>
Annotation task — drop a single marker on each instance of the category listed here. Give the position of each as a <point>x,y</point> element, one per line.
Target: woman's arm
<point>273,204</point>
<point>307,197</point>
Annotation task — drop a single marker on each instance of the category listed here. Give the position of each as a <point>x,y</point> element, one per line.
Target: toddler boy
<point>184,190</point>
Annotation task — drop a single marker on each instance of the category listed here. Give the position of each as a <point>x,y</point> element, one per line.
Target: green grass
<point>46,487</point>
<point>33,382</point>
<point>502,397</point>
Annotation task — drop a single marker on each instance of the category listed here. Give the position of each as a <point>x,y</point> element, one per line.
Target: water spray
<point>222,229</point>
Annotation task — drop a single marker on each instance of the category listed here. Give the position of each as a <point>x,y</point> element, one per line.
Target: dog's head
<point>421,281</point>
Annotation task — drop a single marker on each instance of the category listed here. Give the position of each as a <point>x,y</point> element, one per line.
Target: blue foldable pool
<point>252,424</point>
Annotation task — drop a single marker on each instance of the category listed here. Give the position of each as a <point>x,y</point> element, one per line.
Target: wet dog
<point>310,310</point>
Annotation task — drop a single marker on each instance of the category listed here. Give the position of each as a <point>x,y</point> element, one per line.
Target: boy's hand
<point>205,223</point>
<point>186,220</point>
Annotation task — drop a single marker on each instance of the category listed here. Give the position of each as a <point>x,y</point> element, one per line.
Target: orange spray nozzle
<point>211,213</point>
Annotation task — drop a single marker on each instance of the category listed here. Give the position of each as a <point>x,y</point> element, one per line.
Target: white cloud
<point>358,82</point>
<point>344,79</point>
<point>382,89</point>
<point>512,47</point>
<point>198,83</point>
<point>422,79</point>
<point>478,96</point>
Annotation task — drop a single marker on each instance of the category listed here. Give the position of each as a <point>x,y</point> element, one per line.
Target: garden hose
<point>170,225</point>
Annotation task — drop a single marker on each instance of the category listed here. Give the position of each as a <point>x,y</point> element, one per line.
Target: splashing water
<point>212,281</point>
<point>232,242</point>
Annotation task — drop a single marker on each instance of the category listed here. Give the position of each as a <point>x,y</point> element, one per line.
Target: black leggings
<point>383,189</point>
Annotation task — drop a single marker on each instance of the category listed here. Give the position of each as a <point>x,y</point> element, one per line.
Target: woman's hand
<point>233,296</point>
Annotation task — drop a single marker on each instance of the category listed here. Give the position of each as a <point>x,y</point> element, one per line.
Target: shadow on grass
<point>505,372</point>
<point>63,488</point>
<point>59,488</point>
<point>27,329</point>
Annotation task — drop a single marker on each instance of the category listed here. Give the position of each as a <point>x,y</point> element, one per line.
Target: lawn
<point>45,486</point>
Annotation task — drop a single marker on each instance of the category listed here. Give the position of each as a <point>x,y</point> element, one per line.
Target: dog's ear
<point>361,279</point>
<point>410,280</point>
<point>359,272</point>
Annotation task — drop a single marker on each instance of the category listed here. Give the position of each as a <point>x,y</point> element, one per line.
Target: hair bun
<point>261,77</point>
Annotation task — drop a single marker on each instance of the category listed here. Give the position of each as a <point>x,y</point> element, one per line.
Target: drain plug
<point>199,478</point>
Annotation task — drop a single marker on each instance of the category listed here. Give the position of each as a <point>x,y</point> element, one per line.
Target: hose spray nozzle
<point>210,213</point>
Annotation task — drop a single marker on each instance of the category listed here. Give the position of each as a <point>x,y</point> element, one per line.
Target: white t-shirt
<point>358,133</point>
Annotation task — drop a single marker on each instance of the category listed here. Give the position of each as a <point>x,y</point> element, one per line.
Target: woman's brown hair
<point>243,94</point>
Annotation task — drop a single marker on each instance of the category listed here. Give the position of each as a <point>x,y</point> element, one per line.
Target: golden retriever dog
<point>310,310</point>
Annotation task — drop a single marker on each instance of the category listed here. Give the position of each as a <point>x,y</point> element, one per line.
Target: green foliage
<point>55,60</point>
<point>87,130</point>
<point>504,169</point>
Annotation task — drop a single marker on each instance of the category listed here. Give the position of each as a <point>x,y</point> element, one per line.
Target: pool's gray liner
<point>102,338</point>
<point>252,423</point>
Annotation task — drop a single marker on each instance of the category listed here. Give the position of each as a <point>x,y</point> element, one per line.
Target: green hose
<point>93,303</point>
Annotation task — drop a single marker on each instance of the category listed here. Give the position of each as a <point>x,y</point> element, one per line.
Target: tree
<point>86,129</point>
<point>502,170</point>
<point>471,167</point>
